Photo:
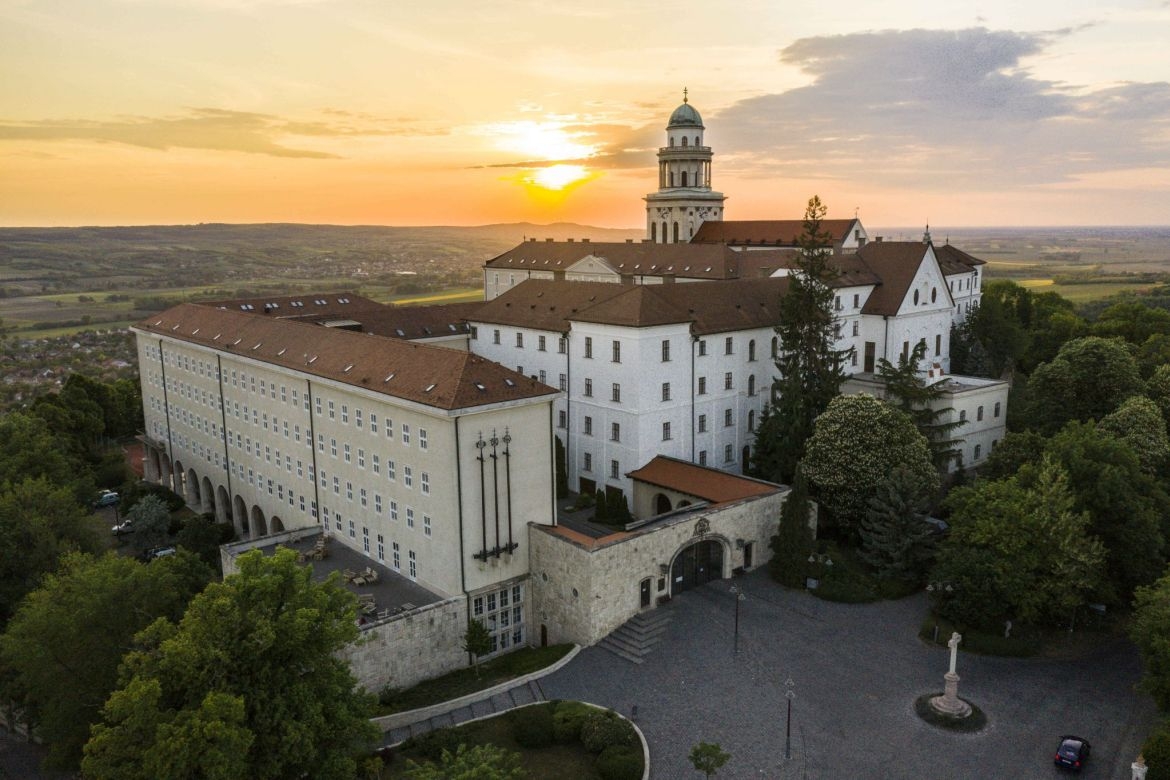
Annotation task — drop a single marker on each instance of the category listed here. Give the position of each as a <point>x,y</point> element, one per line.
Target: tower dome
<point>685,115</point>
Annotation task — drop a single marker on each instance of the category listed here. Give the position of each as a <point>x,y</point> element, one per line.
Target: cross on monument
<point>955,639</point>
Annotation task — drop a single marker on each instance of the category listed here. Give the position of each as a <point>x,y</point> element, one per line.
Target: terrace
<point>382,593</point>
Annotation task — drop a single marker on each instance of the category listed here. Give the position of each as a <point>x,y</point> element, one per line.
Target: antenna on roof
<point>926,235</point>
<point>856,211</point>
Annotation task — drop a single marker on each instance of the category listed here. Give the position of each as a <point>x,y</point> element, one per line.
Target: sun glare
<point>557,177</point>
<point>541,140</point>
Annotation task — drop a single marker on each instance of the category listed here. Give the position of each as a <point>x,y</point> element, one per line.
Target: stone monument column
<point>950,703</point>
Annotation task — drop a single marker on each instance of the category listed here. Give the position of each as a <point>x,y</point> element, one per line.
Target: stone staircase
<point>634,639</point>
<point>528,693</point>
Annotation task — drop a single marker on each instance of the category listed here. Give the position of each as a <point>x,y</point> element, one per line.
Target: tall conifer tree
<point>809,364</point>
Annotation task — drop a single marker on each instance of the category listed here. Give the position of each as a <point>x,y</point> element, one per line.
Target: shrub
<point>533,726</point>
<point>603,729</point>
<point>620,762</point>
<point>432,744</point>
<point>567,720</point>
<point>1156,751</point>
<point>387,695</point>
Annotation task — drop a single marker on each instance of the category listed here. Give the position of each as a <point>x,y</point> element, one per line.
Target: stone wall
<point>582,589</point>
<point>411,647</point>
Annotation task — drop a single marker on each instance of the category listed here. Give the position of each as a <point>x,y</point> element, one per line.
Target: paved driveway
<point>856,671</point>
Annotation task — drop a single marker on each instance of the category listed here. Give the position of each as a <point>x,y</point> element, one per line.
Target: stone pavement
<point>856,671</point>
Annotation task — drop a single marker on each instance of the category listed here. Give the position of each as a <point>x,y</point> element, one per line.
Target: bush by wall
<point>603,729</point>
<point>567,720</point>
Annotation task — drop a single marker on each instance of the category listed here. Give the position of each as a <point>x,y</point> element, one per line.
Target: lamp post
<point>739,596</point>
<point>790,695</point>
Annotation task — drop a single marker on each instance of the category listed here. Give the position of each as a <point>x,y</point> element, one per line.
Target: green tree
<point>1088,379</point>
<point>269,637</point>
<point>1150,631</point>
<point>1156,752</point>
<point>793,541</point>
<point>39,521</point>
<point>562,474</point>
<point>1013,451</point>
<point>29,450</point>
<point>895,538</point>
<point>477,641</point>
<point>1133,321</point>
<point>1128,508</point>
<point>151,521</point>
<point>1139,423</point>
<point>1158,390</point>
<point>63,647</point>
<point>922,402</point>
<point>482,762</point>
<point>1026,541</point>
<point>810,368</point>
<point>856,443</point>
<point>708,758</point>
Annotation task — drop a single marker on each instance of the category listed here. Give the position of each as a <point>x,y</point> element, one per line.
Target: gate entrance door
<point>645,599</point>
<point>696,565</point>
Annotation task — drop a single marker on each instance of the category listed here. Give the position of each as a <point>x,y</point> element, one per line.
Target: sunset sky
<point>997,112</point>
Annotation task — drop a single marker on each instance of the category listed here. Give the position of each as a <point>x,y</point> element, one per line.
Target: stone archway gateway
<point>697,564</point>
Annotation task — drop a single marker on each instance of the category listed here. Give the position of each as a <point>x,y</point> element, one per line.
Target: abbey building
<point>419,450</point>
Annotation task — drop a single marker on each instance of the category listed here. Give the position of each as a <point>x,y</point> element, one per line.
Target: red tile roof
<point>636,259</point>
<point>434,376</point>
<point>708,484</point>
<point>767,232</point>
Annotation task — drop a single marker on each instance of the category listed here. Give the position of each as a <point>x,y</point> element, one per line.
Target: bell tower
<point>684,199</point>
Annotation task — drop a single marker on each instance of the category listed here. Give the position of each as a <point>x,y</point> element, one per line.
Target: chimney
<point>533,240</point>
<point>549,240</point>
<point>584,241</point>
<point>629,240</point>
<point>567,239</point>
<point>877,239</point>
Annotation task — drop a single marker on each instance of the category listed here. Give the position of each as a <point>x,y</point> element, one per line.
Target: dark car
<point>1072,753</point>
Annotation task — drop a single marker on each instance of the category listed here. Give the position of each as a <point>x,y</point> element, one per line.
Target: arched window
<point>653,232</point>
<point>775,347</point>
<point>752,349</point>
<point>752,385</point>
<point>696,140</point>
<point>672,140</point>
<point>978,451</point>
<point>684,140</point>
<point>672,178</point>
<point>933,294</point>
<point>752,418</point>
<point>915,297</point>
<point>962,415</point>
<point>664,232</point>
<point>676,232</point>
<point>684,178</point>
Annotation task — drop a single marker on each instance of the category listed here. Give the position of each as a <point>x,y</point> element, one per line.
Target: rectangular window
<point>562,345</point>
<point>389,429</point>
<point>666,431</point>
<point>702,385</point>
<point>542,377</point>
<point>373,423</point>
<point>937,344</point>
<point>357,418</point>
<point>615,432</point>
<point>381,549</point>
<point>422,432</point>
<point>496,336</point>
<point>332,413</point>
<point>349,491</point>
<point>856,328</point>
<point>407,476</point>
<point>541,343</point>
<point>413,564</point>
<point>378,503</point>
<point>727,381</point>
<point>617,352</point>
<point>394,510</point>
<point>410,517</point>
<point>333,447</point>
<point>728,344</point>
<point>979,414</point>
<point>614,470</point>
<point>425,483</point>
<point>337,486</point>
<point>362,496</point>
<point>426,525</point>
<point>856,300</point>
<point>727,422</point>
<point>345,414</point>
<point>563,382</point>
<point>589,346</point>
<point>365,540</point>
<point>348,454</point>
<point>405,433</point>
<point>588,425</point>
<point>397,557</point>
<point>666,350</point>
<point>588,388</point>
<point>587,464</point>
<point>520,340</point>
<point>361,457</point>
<point>616,395</point>
<point>377,463</point>
<point>702,347</point>
<point>666,391</point>
<point>702,423</point>
<point>562,419</point>
<point>390,470</point>
<point>726,453</point>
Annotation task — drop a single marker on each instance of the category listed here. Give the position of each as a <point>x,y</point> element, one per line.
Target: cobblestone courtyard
<point>856,670</point>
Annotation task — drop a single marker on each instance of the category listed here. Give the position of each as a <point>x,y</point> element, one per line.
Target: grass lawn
<point>464,681</point>
<point>555,762</point>
<point>1080,293</point>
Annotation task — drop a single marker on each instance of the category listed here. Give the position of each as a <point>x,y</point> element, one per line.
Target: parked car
<point>1072,753</point>
<point>107,498</point>
<point>158,552</point>
<point>124,527</point>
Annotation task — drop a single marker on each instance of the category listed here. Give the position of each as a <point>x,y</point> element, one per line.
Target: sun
<point>558,177</point>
